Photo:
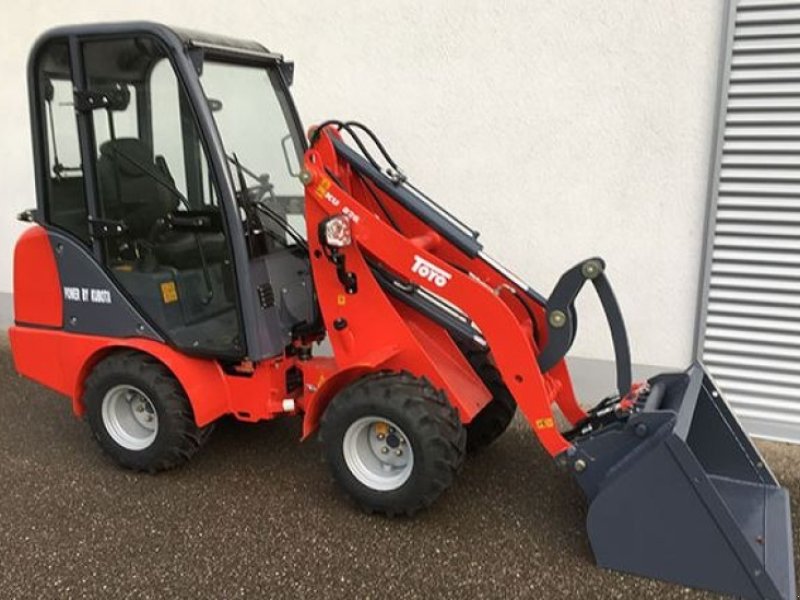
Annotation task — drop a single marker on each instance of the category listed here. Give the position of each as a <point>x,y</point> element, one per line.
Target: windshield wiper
<point>248,203</point>
<point>242,170</point>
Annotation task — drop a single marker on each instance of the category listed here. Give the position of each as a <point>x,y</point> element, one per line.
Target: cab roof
<point>174,36</point>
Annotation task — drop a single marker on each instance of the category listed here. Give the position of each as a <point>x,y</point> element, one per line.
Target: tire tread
<point>494,419</point>
<point>433,419</point>
<point>184,438</point>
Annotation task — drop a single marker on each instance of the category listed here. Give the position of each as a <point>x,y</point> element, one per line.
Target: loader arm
<point>445,262</point>
<point>677,491</point>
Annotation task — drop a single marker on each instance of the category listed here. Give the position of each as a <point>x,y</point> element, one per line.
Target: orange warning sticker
<point>341,300</point>
<point>546,423</point>
<point>169,293</point>
<point>323,187</point>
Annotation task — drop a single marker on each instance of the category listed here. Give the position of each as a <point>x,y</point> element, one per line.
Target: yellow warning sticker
<point>341,299</point>
<point>169,293</point>
<point>323,187</point>
<point>546,423</point>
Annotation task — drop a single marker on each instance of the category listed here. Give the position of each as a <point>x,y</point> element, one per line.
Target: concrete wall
<point>560,128</point>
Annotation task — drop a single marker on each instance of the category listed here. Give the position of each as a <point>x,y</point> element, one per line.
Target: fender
<point>333,380</point>
<point>62,361</point>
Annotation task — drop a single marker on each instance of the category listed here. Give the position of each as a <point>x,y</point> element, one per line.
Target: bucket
<point>678,492</point>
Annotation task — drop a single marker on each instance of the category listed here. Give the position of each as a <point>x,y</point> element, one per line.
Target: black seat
<point>136,191</point>
<point>180,249</point>
<point>133,188</point>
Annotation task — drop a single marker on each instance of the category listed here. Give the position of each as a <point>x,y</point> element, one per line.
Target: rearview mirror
<point>287,71</point>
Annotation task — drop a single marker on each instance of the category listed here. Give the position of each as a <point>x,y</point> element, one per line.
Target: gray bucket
<point>678,492</point>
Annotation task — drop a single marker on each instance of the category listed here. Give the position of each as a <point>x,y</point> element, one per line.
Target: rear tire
<point>494,419</point>
<point>393,442</point>
<point>139,413</point>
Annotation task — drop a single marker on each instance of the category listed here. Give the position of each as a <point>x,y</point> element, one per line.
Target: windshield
<point>253,116</point>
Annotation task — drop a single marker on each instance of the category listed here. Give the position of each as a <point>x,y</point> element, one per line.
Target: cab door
<point>158,226</point>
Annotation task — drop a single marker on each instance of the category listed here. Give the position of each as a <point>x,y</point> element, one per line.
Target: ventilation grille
<point>751,342</point>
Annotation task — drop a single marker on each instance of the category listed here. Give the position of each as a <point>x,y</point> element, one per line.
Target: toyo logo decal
<point>427,270</point>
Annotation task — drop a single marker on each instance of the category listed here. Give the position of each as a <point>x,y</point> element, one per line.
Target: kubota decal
<point>427,270</point>
<point>91,295</point>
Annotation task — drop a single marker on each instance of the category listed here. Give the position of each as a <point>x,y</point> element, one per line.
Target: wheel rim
<point>129,417</point>
<point>378,453</point>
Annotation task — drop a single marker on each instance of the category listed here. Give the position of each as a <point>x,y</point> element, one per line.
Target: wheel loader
<point>191,248</point>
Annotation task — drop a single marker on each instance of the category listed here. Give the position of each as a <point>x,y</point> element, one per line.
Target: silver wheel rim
<point>129,417</point>
<point>378,453</point>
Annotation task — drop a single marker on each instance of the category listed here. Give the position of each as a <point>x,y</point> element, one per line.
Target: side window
<point>166,121</point>
<point>65,205</point>
<point>175,138</point>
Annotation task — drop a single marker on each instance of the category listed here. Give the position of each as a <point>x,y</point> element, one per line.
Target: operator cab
<point>172,158</point>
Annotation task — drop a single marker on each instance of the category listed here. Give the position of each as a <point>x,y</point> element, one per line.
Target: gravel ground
<point>257,515</point>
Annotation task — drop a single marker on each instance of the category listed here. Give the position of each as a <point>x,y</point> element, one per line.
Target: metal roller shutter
<point>749,326</point>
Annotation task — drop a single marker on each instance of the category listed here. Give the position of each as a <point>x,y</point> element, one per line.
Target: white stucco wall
<point>560,128</point>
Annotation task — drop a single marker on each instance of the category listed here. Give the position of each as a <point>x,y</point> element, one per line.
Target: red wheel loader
<point>190,248</point>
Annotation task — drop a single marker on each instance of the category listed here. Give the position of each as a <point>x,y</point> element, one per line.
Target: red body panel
<point>374,326</point>
<point>61,361</point>
<point>37,287</point>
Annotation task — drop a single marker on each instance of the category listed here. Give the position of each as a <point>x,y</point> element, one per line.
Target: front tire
<point>139,413</point>
<point>393,442</point>
<point>494,419</point>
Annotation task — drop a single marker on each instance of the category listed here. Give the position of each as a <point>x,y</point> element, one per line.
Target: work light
<point>337,232</point>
